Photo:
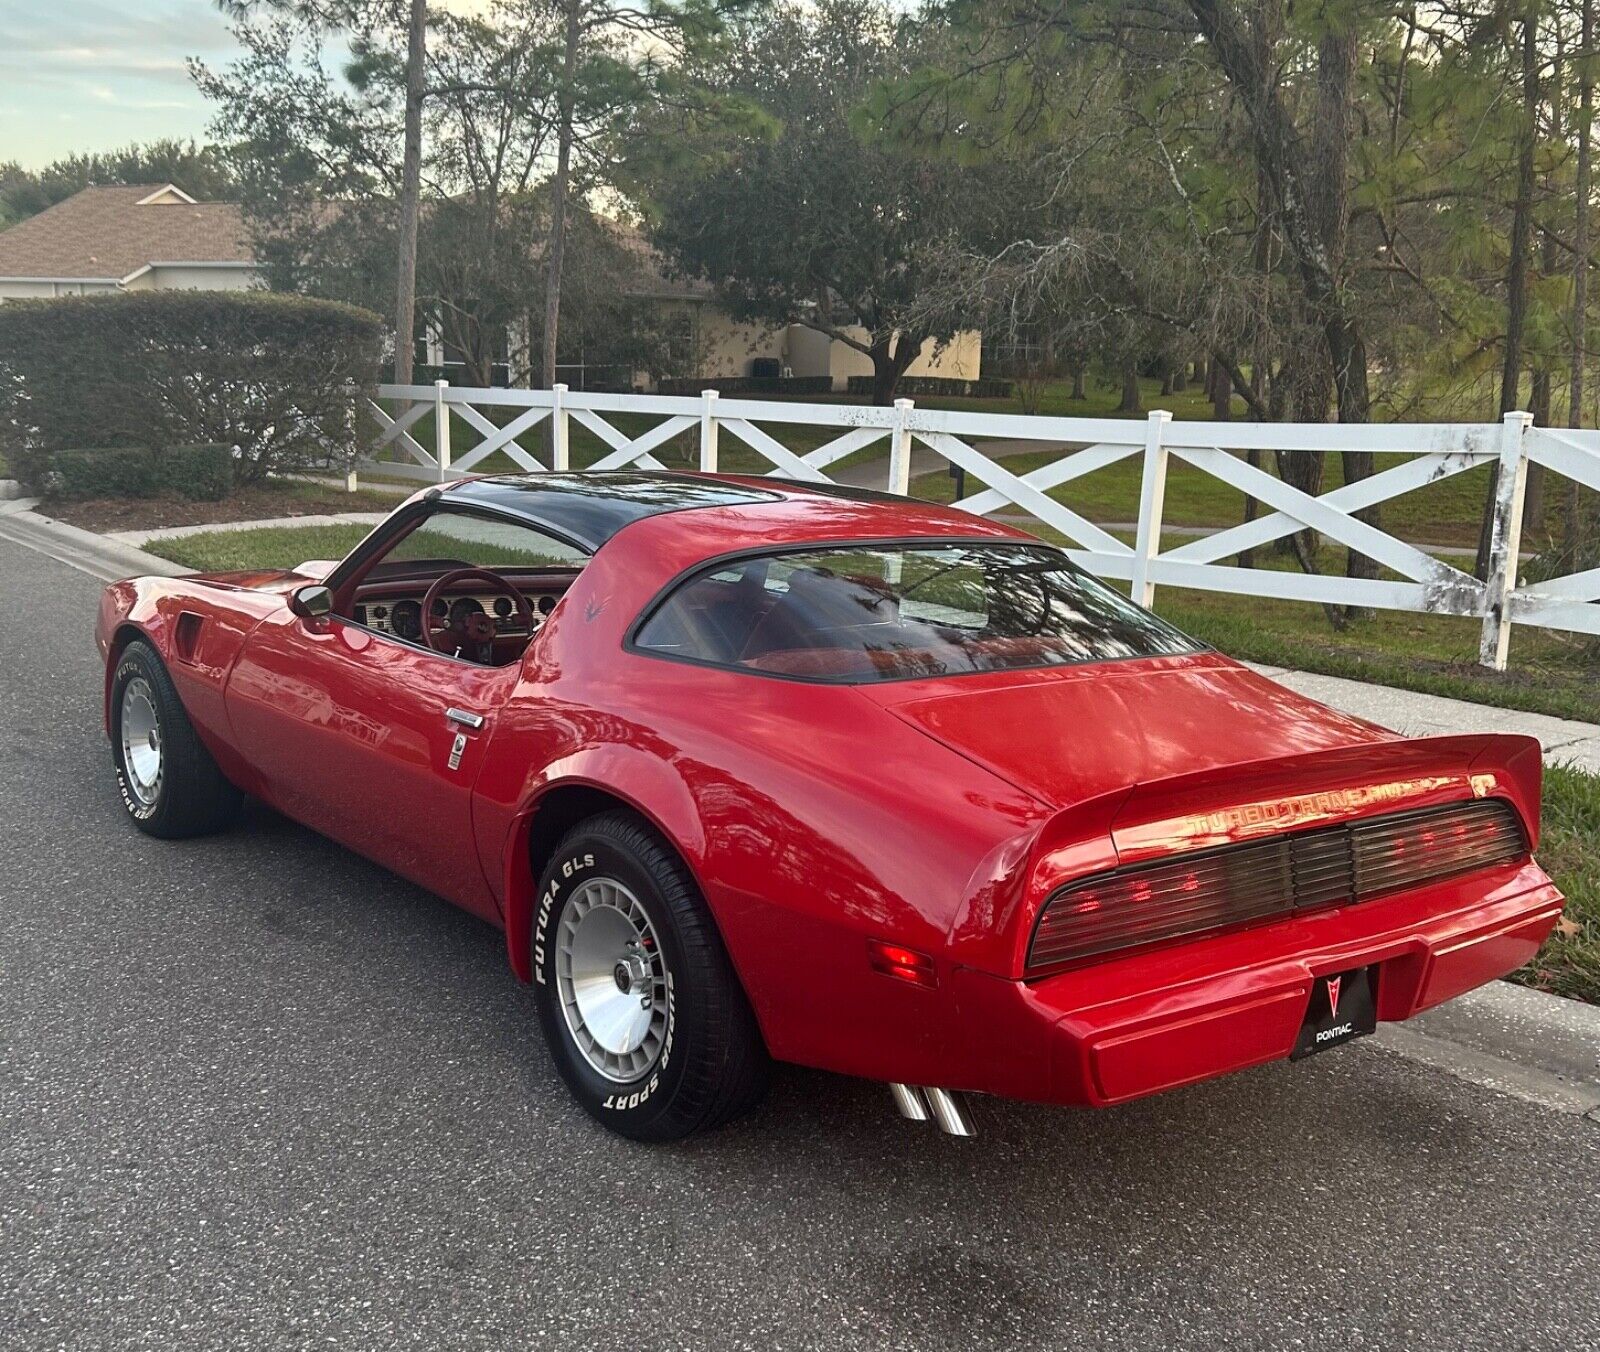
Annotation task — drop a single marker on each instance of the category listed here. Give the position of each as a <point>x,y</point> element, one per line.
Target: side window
<point>468,541</point>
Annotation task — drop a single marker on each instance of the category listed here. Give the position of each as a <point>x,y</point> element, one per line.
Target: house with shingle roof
<point>156,237</point>
<point>150,236</point>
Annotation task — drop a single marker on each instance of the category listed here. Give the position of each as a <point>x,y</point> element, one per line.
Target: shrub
<point>749,385</point>
<point>945,387</point>
<point>99,472</point>
<point>280,377</point>
<point>204,473</point>
<point>199,472</point>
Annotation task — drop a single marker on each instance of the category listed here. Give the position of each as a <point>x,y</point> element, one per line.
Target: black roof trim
<point>827,489</point>
<point>592,507</point>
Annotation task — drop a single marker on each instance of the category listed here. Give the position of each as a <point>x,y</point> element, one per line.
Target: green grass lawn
<point>1569,962</point>
<point>269,547</point>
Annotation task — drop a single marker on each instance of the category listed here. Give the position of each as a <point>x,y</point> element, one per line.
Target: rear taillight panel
<point>1267,879</point>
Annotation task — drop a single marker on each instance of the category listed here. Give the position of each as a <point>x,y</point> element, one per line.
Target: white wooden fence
<point>1420,581</point>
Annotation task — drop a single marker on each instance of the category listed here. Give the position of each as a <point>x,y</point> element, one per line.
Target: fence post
<point>441,428</point>
<point>560,429</point>
<point>1152,500</point>
<point>1505,541</point>
<point>708,431</point>
<point>900,449</point>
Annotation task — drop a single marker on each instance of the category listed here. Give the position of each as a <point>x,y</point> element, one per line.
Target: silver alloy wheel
<point>141,741</point>
<point>611,977</point>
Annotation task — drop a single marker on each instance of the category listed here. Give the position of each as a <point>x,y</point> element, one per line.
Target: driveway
<point>255,1092</point>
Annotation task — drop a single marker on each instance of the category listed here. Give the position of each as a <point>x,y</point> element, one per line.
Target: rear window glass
<point>897,612</point>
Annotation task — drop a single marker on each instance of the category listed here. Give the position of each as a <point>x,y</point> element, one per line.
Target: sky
<point>97,74</point>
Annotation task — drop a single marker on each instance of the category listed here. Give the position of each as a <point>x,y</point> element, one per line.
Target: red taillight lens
<point>905,964</point>
<point>1239,883</point>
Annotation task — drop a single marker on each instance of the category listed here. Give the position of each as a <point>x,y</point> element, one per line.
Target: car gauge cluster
<point>403,617</point>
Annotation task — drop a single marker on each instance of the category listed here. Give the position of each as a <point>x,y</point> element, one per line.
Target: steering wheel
<point>476,629</point>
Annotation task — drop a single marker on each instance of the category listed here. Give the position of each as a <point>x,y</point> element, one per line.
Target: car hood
<point>1066,735</point>
<point>276,580</point>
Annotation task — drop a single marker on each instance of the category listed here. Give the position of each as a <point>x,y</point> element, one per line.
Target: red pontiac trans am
<point>750,769</point>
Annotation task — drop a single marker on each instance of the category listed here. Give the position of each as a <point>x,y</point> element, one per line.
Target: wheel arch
<point>125,633</point>
<point>561,805</point>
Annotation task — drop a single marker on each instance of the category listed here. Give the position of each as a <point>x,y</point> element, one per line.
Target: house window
<point>682,347</point>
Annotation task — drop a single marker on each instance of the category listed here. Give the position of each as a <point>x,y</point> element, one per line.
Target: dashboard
<point>402,615</point>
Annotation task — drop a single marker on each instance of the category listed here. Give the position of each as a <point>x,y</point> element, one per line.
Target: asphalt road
<point>256,1092</point>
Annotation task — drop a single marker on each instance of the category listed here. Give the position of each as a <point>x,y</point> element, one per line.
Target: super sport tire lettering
<point>711,1064</point>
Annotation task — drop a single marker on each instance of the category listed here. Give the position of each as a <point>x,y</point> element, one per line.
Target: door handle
<point>464,718</point>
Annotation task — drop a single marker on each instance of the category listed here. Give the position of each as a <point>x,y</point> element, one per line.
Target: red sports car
<point>752,769</point>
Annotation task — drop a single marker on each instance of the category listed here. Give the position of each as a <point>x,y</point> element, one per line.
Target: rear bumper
<point>1122,1029</point>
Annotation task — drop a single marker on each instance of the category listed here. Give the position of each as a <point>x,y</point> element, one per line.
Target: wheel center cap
<point>623,977</point>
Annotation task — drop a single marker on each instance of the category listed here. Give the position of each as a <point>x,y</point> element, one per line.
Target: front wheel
<point>644,1016</point>
<point>170,785</point>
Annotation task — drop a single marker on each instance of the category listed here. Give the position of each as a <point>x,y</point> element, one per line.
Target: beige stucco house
<point>146,237</point>
<point>718,346</point>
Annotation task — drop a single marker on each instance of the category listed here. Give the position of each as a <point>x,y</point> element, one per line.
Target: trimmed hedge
<point>939,387</point>
<point>278,377</point>
<point>204,473</point>
<point>750,385</point>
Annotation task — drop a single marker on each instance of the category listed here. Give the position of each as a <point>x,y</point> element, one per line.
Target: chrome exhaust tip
<point>950,1112</point>
<point>909,1101</point>
<point>923,1103</point>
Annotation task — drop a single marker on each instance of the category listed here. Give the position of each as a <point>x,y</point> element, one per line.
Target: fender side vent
<point>186,635</point>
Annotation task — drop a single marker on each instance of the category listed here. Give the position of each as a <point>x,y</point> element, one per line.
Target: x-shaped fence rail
<point>1411,578</point>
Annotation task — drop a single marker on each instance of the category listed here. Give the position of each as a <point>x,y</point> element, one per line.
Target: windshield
<point>894,612</point>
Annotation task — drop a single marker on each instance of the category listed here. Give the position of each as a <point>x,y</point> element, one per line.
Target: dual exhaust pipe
<point>922,1103</point>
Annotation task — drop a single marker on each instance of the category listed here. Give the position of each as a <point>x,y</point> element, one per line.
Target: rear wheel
<point>170,785</point>
<point>640,1005</point>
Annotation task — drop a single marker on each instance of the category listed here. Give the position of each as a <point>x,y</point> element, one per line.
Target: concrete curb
<point>139,538</point>
<point>96,555</point>
<point>1538,1047</point>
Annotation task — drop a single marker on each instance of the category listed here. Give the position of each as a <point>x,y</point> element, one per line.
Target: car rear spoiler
<point>1267,797</point>
<point>1249,799</point>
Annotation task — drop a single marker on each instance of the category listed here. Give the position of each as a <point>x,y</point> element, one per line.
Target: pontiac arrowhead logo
<point>1333,996</point>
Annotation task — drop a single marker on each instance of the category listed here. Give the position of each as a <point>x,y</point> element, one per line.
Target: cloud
<point>99,73</point>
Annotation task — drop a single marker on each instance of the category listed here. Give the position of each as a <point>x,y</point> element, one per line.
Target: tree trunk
<point>1180,378</point>
<point>890,358</point>
<point>1078,390</point>
<point>405,291</point>
<point>1131,401</point>
<point>556,248</point>
<point>1252,509</point>
<point>1540,400</point>
<point>1573,524</point>
<point>1221,393</point>
<point>1533,493</point>
<point>1296,181</point>
<point>1516,266</point>
<point>1166,376</point>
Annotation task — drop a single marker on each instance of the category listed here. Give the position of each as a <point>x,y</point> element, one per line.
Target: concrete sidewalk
<point>1565,740</point>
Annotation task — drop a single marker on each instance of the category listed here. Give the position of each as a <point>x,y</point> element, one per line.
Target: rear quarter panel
<point>811,819</point>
